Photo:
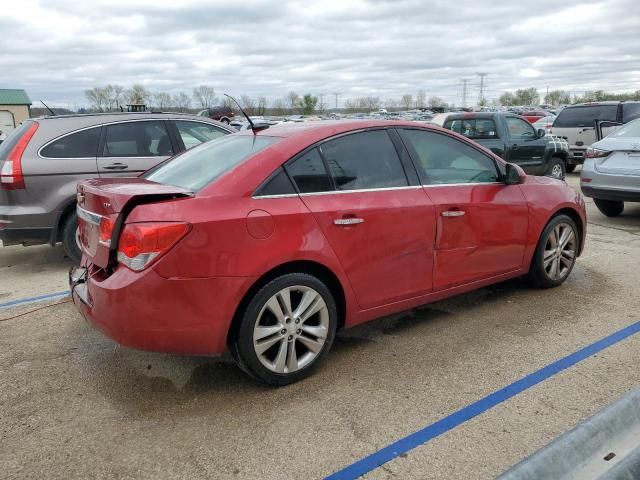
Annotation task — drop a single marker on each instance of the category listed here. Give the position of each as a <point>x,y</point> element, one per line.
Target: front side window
<point>519,128</point>
<point>82,144</point>
<point>137,139</point>
<point>198,167</point>
<point>309,174</point>
<point>475,128</point>
<point>630,111</point>
<point>195,133</point>
<point>446,160</point>
<point>364,160</point>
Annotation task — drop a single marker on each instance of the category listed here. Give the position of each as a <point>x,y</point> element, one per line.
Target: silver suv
<point>42,160</point>
<point>576,124</point>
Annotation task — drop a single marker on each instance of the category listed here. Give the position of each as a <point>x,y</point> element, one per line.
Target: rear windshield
<point>13,138</point>
<point>585,116</point>
<point>629,130</point>
<point>198,167</point>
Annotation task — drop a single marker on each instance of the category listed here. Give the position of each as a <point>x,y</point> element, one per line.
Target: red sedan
<point>267,242</point>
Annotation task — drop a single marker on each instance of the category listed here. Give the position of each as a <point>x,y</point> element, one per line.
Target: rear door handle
<point>348,221</point>
<point>116,166</point>
<point>453,213</point>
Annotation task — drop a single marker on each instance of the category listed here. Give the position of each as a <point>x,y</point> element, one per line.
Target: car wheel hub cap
<point>291,329</point>
<point>559,251</point>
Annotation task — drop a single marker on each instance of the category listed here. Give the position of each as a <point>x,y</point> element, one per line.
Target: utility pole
<point>321,95</point>
<point>547,95</point>
<point>336,94</point>
<point>481,75</point>
<point>464,92</point>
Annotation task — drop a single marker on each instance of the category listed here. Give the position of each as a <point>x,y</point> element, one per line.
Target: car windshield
<point>631,129</point>
<point>199,166</point>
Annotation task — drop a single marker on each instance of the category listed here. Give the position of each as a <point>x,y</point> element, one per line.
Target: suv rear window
<point>630,111</point>
<point>585,116</point>
<point>13,138</point>
<point>198,167</point>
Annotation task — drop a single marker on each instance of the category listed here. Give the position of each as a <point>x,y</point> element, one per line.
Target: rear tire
<point>286,330</point>
<point>556,253</point>
<point>556,168</point>
<point>610,208</point>
<point>570,168</point>
<point>70,239</point>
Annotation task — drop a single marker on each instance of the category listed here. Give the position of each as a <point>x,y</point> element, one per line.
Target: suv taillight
<point>142,243</point>
<point>11,177</point>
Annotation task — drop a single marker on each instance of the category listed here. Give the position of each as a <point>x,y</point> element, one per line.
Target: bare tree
<point>435,102</point>
<point>421,98</point>
<point>262,105</point>
<point>248,104</point>
<point>391,104</point>
<point>407,101</point>
<point>118,91</point>
<point>204,95</point>
<point>279,106</point>
<point>292,101</point>
<point>162,100</point>
<point>97,98</point>
<point>137,94</point>
<point>371,103</point>
<point>181,101</point>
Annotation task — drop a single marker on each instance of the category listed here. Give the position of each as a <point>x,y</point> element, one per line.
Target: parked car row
<point>43,159</point>
<point>266,242</point>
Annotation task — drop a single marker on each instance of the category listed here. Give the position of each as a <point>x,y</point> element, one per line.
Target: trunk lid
<point>103,205</point>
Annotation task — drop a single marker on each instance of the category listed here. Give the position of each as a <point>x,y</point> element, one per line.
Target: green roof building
<point>14,108</point>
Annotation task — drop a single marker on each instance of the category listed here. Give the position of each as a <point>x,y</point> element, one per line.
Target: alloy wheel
<point>291,329</point>
<point>559,251</point>
<point>556,171</point>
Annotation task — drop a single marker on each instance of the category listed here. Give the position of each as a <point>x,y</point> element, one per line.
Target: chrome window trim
<point>116,122</point>
<point>88,216</point>
<point>462,184</point>
<point>281,195</point>
<point>363,190</point>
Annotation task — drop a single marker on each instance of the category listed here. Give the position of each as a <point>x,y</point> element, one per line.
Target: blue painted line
<point>375,460</point>
<point>39,298</point>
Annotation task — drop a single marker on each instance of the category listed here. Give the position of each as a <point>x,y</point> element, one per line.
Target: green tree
<point>557,97</point>
<point>527,96</point>
<point>308,104</point>
<point>507,99</point>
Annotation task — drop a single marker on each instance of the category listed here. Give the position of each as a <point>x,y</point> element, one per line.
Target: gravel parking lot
<point>74,404</point>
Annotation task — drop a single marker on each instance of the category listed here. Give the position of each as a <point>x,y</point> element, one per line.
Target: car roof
<point>100,118</point>
<point>327,127</point>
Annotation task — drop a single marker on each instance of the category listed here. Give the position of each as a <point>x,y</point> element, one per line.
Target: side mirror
<point>541,132</point>
<point>514,175</point>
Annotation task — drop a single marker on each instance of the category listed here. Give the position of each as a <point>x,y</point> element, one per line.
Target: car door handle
<point>345,221</point>
<point>116,166</point>
<point>453,213</point>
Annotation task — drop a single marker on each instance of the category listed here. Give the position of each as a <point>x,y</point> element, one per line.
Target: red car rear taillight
<point>142,243</point>
<point>11,177</point>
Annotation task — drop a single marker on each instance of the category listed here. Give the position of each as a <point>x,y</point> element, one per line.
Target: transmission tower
<point>464,92</point>
<point>336,94</point>
<point>481,75</point>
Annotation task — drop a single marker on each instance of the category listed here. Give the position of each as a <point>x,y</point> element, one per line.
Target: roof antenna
<point>52,112</point>
<point>254,128</point>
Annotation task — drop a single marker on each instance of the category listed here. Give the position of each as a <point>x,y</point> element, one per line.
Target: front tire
<point>610,208</point>
<point>556,168</point>
<point>286,330</point>
<point>71,239</point>
<point>556,253</point>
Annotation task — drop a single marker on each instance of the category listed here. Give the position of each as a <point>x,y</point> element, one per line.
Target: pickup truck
<point>512,138</point>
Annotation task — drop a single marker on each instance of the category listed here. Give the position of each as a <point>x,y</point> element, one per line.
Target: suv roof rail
<point>97,114</point>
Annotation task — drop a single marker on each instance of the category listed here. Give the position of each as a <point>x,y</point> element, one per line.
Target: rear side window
<point>137,139</point>
<point>364,160</point>
<point>195,133</point>
<point>446,160</point>
<point>278,184</point>
<point>196,168</point>
<point>13,138</point>
<point>630,111</point>
<point>585,116</point>
<point>309,173</point>
<point>82,144</point>
<point>473,127</point>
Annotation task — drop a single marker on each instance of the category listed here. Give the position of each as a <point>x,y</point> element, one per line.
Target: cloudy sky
<point>56,49</point>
